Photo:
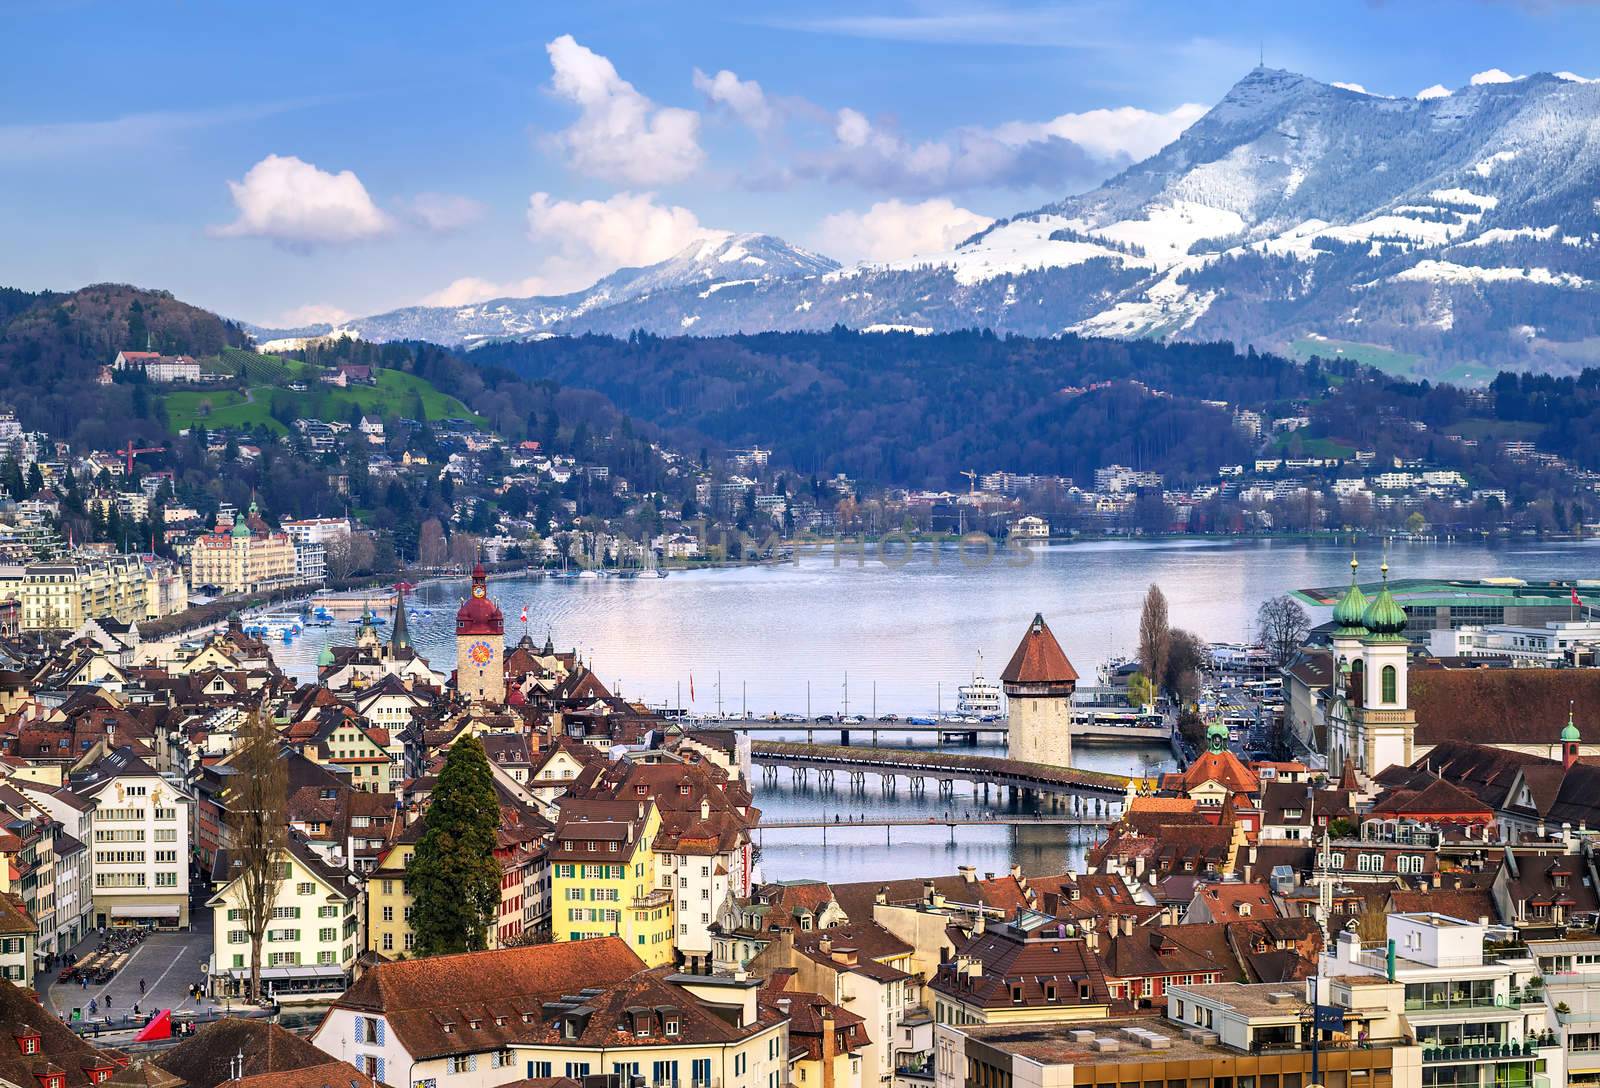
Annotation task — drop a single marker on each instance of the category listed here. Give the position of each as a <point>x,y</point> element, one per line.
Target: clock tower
<point>480,645</point>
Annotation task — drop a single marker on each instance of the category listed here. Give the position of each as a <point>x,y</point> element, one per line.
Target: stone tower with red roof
<point>1039,682</point>
<point>480,645</point>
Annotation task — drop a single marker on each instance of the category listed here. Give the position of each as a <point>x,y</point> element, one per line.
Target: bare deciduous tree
<point>1155,637</point>
<point>1281,626</point>
<point>258,828</point>
<point>432,549</point>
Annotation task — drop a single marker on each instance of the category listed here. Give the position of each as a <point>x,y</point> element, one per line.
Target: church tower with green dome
<point>1384,726</point>
<point>1571,742</point>
<point>1348,631</point>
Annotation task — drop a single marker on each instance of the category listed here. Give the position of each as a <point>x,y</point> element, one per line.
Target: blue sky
<point>291,161</point>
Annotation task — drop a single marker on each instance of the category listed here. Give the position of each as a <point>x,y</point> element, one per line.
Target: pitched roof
<point>1223,767</point>
<point>1504,706</point>
<point>205,1059</point>
<point>1039,658</point>
<point>419,996</point>
<point>60,1050</point>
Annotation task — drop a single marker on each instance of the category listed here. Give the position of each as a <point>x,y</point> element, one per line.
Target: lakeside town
<point>145,533</point>
<point>494,869</point>
<point>888,544</point>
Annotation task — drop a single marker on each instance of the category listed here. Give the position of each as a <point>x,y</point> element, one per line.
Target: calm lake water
<point>903,635</point>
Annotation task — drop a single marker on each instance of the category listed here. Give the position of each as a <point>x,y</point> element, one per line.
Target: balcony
<point>1428,1004</point>
<point>1483,1052</point>
<point>660,897</point>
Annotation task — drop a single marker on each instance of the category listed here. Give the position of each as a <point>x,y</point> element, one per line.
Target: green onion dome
<point>1570,734</point>
<point>1384,619</point>
<point>1351,607</point>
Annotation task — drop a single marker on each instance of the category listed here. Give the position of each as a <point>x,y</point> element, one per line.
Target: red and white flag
<point>1575,595</point>
<point>524,613</point>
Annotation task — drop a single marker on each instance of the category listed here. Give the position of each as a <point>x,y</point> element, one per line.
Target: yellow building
<point>61,595</point>
<point>605,882</point>
<point>389,902</point>
<point>244,558</point>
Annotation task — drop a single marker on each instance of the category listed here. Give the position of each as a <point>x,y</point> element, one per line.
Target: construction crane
<point>132,451</point>
<point>972,480</point>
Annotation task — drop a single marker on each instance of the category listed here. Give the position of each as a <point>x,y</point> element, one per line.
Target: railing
<point>1424,1004</point>
<point>1329,1044</point>
<point>1478,1052</point>
<point>660,897</point>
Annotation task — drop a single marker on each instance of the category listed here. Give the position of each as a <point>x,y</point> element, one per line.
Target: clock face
<point>478,591</point>
<point>480,653</point>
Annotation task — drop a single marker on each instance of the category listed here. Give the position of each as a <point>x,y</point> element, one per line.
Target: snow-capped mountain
<point>718,262</point>
<point>1459,231</point>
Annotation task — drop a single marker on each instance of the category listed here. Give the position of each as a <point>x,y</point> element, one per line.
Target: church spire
<point>399,636</point>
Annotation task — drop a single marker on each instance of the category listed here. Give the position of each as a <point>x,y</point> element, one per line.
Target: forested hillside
<point>917,410</point>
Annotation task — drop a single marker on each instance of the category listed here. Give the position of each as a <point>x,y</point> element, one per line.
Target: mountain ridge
<point>1456,229</point>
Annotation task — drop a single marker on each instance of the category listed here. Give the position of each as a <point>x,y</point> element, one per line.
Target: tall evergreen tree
<point>455,880</point>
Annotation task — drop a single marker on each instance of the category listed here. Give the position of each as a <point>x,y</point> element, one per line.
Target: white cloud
<point>744,98</point>
<point>1438,90</point>
<point>1493,75</point>
<point>621,135</point>
<point>293,202</point>
<point>594,237</point>
<point>443,212</point>
<point>1112,134</point>
<point>469,289</point>
<point>314,313</point>
<point>1071,148</point>
<point>583,240</point>
<point>890,230</point>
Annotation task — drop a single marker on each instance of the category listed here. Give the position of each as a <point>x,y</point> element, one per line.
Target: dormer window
<point>671,1026</point>
<point>1016,994</point>
<point>684,790</point>
<point>28,1042</point>
<point>1049,991</point>
<point>640,790</point>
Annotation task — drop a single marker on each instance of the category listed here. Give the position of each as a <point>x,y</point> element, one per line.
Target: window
<point>305,887</point>
<point>166,880</point>
<point>327,912</point>
<point>388,942</point>
<point>500,1059</point>
<point>1389,683</point>
<point>328,933</point>
<point>388,914</point>
<point>463,1063</point>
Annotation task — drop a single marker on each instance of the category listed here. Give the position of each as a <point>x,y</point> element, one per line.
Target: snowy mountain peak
<point>1456,231</point>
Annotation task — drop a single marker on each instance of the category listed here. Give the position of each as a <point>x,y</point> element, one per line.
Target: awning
<point>307,970</point>
<point>145,910</point>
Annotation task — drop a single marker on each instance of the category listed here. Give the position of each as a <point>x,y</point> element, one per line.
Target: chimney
<point>881,897</point>
<point>830,1047</point>
<point>968,873</point>
<point>825,945</point>
<point>980,926</point>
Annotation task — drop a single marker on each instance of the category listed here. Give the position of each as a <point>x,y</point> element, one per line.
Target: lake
<point>901,636</point>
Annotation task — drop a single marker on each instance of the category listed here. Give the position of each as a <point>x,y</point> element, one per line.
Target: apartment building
<point>141,842</point>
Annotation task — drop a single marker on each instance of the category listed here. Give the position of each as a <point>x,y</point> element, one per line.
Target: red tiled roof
<point>1039,658</point>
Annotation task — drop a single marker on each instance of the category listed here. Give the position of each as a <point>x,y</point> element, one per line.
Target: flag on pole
<point>1575,600</point>
<point>691,687</point>
<point>524,613</point>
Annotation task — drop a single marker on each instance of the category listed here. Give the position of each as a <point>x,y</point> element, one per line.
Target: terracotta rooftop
<point>1039,658</point>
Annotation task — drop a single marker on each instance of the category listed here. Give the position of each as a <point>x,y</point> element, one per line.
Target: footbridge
<point>1091,825</point>
<point>1057,789</point>
<point>1087,729</point>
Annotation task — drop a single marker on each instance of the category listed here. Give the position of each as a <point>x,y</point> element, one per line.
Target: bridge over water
<point>1088,794</point>
<point>1086,729</point>
<point>950,821</point>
